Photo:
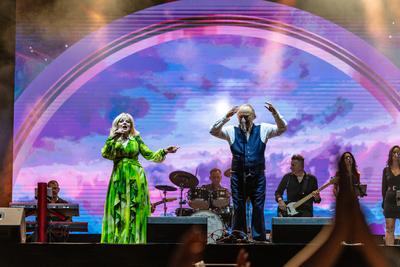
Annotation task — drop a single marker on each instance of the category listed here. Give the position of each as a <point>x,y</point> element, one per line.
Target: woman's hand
<point>116,134</point>
<point>171,149</point>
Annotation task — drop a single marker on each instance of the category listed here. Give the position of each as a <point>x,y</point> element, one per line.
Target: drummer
<point>215,178</point>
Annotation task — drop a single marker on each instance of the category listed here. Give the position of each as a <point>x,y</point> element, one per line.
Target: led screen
<point>177,83</point>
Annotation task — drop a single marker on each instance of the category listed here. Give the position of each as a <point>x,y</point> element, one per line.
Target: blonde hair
<point>114,127</point>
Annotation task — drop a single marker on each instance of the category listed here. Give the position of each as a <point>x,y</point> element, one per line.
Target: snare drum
<point>198,198</point>
<point>215,226</point>
<point>220,198</point>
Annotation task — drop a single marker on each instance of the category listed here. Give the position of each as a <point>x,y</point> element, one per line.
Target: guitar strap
<point>305,184</point>
<point>287,184</point>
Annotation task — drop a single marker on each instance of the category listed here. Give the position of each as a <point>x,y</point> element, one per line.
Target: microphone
<point>243,125</point>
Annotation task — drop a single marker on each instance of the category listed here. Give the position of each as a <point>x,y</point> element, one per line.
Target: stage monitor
<point>12,225</point>
<point>300,230</point>
<point>173,229</point>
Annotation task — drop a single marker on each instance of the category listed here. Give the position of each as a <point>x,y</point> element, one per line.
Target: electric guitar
<point>292,206</point>
<point>164,200</point>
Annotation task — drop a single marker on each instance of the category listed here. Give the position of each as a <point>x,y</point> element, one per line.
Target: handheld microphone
<point>116,135</point>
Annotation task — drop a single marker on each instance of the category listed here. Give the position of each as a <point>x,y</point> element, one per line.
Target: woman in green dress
<point>127,203</point>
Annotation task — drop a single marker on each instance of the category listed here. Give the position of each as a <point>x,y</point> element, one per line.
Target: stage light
<point>375,22</point>
<point>222,107</point>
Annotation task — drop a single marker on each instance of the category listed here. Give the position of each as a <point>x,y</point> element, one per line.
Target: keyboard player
<point>59,234</point>
<point>55,189</point>
<point>59,217</point>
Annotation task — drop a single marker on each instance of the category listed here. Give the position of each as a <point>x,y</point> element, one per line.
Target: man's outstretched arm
<point>218,129</point>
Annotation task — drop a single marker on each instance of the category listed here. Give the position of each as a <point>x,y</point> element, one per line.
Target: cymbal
<point>227,173</point>
<point>165,187</point>
<point>183,179</point>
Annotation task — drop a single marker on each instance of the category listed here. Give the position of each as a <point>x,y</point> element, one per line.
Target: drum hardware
<point>165,189</point>
<point>215,226</point>
<point>184,212</point>
<point>215,206</point>
<point>183,180</point>
<point>226,215</point>
<point>220,198</point>
<point>199,198</point>
<point>227,173</point>
<point>181,201</point>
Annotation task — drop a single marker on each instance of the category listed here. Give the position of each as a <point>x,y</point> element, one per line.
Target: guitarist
<point>298,184</point>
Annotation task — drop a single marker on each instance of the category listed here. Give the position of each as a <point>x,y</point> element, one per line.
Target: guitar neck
<point>309,196</point>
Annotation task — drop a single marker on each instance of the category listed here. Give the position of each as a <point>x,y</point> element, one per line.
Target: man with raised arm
<point>247,143</point>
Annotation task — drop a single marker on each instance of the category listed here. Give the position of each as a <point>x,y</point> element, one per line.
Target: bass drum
<point>215,226</point>
<point>226,215</point>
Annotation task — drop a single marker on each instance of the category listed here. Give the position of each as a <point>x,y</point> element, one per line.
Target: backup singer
<point>390,188</point>
<point>247,143</point>
<point>298,184</point>
<point>127,203</point>
<point>347,169</point>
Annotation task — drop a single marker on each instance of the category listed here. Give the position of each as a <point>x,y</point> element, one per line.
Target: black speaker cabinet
<point>299,230</point>
<point>172,229</point>
<point>12,225</point>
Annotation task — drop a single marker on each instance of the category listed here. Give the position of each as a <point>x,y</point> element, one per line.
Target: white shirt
<point>268,130</point>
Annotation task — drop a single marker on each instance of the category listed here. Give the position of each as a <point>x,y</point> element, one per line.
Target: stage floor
<point>154,255</point>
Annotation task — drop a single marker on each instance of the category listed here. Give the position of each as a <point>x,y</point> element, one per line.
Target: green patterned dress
<point>127,203</point>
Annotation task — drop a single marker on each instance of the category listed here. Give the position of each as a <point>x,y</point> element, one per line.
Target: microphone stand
<point>181,202</point>
<point>245,197</point>
<point>165,202</point>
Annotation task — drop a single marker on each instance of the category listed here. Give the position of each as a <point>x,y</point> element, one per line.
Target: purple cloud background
<point>176,91</point>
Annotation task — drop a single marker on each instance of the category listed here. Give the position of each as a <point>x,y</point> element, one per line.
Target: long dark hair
<point>342,170</point>
<point>389,160</point>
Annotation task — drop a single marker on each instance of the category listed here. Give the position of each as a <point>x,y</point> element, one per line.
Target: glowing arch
<point>71,70</point>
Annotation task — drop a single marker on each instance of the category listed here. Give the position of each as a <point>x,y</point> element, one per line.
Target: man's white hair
<point>248,106</point>
<point>114,127</point>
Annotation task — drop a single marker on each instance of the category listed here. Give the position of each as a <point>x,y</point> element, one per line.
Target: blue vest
<point>248,155</point>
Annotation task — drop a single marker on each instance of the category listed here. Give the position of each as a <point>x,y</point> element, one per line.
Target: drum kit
<point>203,203</point>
